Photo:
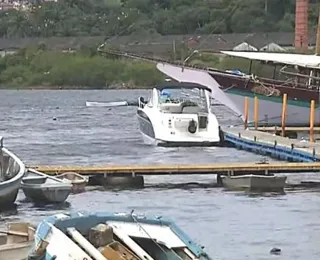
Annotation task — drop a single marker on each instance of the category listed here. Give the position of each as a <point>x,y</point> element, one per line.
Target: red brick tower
<point>301,30</point>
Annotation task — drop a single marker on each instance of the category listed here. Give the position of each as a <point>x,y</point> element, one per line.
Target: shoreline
<point>73,88</point>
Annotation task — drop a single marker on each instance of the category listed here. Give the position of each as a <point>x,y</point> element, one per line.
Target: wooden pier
<point>223,168</point>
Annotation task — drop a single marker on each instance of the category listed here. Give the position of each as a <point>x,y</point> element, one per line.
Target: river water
<point>51,127</point>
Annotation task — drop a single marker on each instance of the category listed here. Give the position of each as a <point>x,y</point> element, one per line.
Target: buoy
<point>54,119</point>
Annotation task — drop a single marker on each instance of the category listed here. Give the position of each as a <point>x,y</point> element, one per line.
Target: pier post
<point>256,112</point>
<point>284,114</point>
<point>246,112</point>
<point>312,108</point>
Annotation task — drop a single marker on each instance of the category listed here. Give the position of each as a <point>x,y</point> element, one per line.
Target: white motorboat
<point>179,114</point>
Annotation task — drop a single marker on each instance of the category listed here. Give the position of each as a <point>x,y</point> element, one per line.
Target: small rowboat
<point>17,241</point>
<point>43,189</point>
<point>78,181</point>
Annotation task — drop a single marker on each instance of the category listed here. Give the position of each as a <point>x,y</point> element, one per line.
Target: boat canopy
<point>302,60</point>
<point>179,85</point>
<point>202,78</point>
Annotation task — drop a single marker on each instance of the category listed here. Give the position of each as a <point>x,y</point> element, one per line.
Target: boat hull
<point>43,189</point>
<point>16,251</point>
<point>152,136</point>
<point>78,187</point>
<point>77,181</point>
<point>12,171</point>
<point>270,112</point>
<point>8,193</point>
<point>44,195</point>
<point>254,183</point>
<point>270,95</point>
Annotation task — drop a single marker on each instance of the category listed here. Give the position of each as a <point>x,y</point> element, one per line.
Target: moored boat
<point>251,182</point>
<point>16,242</point>
<point>112,236</point>
<point>298,77</point>
<point>41,188</point>
<point>179,114</point>
<point>12,170</point>
<point>78,181</point>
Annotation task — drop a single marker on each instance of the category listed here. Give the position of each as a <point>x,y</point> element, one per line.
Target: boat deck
<point>273,145</point>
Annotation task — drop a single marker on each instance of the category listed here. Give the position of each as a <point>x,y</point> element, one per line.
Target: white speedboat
<point>179,114</point>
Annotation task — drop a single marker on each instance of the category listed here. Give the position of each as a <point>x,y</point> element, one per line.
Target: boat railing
<point>289,82</point>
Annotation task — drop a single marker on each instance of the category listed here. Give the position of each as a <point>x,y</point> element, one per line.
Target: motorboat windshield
<point>188,97</point>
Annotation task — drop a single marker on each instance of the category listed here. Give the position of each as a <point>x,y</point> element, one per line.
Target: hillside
<point>165,17</point>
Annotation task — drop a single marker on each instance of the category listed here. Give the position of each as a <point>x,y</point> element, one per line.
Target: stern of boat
<point>189,129</point>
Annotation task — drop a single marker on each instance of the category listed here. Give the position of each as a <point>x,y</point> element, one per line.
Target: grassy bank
<point>47,69</point>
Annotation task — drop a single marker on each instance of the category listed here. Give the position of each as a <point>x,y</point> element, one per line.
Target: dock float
<point>282,148</point>
<point>224,168</point>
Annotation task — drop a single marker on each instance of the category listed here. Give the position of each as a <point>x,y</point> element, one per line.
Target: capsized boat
<point>12,170</point>
<point>104,236</point>
<point>41,188</point>
<point>179,114</point>
<point>258,183</point>
<point>16,242</point>
<point>78,181</point>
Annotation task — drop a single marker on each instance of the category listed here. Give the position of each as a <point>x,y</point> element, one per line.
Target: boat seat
<point>171,108</point>
<point>116,251</point>
<point>191,110</point>
<point>35,179</point>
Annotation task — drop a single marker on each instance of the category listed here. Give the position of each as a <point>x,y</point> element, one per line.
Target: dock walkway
<point>279,147</point>
<point>222,168</point>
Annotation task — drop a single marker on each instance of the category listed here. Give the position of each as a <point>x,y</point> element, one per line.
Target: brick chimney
<point>301,30</point>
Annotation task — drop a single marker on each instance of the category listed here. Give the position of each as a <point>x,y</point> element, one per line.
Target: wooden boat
<point>12,170</point>
<point>112,236</point>
<point>41,188</point>
<point>16,242</point>
<point>78,181</point>
<point>299,79</point>
<point>250,182</point>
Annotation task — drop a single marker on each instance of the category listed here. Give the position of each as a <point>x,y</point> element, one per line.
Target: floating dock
<point>282,148</point>
<point>225,168</point>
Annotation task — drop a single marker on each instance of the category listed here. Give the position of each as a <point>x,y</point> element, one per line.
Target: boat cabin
<point>181,98</point>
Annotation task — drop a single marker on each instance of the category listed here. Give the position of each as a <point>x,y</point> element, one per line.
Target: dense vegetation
<point>41,68</point>
<point>119,17</point>
<point>38,67</point>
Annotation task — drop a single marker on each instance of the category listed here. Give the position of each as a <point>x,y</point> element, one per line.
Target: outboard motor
<point>192,128</point>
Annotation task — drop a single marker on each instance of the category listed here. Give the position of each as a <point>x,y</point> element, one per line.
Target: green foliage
<point>37,67</point>
<point>125,17</point>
